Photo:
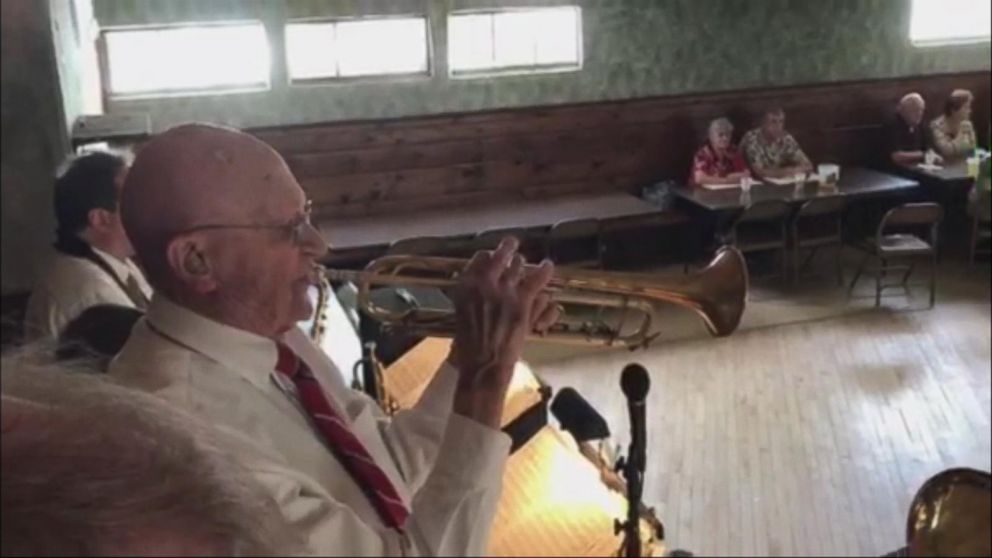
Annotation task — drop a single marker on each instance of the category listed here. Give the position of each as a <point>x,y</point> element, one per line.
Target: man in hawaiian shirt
<point>771,151</point>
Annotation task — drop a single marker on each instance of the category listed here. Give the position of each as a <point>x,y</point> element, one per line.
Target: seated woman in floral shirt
<point>952,132</point>
<point>718,162</point>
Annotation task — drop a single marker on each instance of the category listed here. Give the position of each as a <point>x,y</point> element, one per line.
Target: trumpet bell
<point>950,515</point>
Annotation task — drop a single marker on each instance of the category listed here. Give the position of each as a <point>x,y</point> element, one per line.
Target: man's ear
<point>190,265</point>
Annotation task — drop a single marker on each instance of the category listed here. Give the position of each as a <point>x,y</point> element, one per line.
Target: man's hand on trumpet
<point>498,302</point>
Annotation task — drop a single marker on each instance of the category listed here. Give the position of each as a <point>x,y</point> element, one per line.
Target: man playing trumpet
<point>222,228</point>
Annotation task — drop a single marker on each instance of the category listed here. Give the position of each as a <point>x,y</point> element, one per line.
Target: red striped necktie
<point>348,449</point>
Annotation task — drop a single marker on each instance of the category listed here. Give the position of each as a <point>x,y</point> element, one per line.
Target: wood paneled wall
<point>381,167</point>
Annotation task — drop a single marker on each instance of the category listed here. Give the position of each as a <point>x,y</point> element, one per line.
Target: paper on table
<point>726,186</point>
<point>784,181</point>
<point>927,167</point>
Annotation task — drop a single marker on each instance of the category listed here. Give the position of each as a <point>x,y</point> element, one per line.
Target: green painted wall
<point>633,48</point>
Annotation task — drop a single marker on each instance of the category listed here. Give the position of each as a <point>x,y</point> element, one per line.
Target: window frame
<point>103,56</point>
<point>944,42</point>
<point>427,74</point>
<point>520,70</point>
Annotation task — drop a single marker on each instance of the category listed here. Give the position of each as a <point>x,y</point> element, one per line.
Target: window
<point>356,48</point>
<point>544,39</point>
<point>940,22</point>
<point>144,62</point>
<point>87,32</point>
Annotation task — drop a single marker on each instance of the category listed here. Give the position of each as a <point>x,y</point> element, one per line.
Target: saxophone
<point>367,371</point>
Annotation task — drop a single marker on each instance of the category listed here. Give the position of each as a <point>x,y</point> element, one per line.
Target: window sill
<point>361,80</point>
<point>937,43</point>
<point>213,92</point>
<point>514,71</point>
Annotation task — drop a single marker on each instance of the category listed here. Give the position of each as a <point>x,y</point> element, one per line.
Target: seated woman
<point>952,132</point>
<point>719,161</point>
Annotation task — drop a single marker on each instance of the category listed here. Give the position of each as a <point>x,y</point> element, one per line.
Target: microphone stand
<point>581,420</point>
<point>631,526</point>
<point>635,383</point>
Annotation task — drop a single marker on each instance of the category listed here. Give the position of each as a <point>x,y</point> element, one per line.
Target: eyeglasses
<point>296,229</point>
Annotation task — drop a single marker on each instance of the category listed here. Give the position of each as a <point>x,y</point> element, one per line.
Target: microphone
<point>635,383</point>
<point>578,417</point>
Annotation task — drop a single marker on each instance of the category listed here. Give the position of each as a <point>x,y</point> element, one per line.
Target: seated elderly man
<point>92,262</point>
<point>771,151</point>
<point>93,469</point>
<point>907,140</point>
<point>224,231</point>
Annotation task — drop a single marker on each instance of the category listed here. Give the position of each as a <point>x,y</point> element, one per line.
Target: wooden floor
<point>808,438</point>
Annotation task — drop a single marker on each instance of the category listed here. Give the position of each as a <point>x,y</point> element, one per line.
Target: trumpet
<point>716,293</point>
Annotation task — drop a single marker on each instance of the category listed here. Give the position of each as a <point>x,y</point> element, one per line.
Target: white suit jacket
<point>69,285</point>
<point>447,468</point>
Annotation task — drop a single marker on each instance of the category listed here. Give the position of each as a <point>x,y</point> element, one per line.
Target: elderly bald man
<point>906,138</point>
<point>224,231</point>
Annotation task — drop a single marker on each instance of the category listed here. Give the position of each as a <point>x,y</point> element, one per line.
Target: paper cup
<point>829,173</point>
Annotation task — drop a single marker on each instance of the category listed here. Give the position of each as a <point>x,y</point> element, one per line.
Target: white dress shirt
<point>71,284</point>
<point>447,468</point>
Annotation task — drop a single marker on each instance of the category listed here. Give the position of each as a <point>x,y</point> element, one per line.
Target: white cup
<point>829,173</point>
<point>973,166</point>
<point>930,158</point>
<point>746,184</point>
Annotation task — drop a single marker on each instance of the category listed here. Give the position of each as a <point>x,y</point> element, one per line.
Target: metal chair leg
<point>878,288</point>
<point>933,281</point>
<point>974,241</point>
<point>840,265</point>
<point>909,271</point>
<point>857,274</point>
<point>784,254</point>
<point>809,259</point>
<point>879,273</point>
<point>795,264</point>
<point>799,268</point>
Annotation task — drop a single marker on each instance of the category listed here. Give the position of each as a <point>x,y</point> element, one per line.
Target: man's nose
<point>313,242</point>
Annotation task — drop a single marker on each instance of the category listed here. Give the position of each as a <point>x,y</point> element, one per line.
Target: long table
<point>949,175</point>
<point>368,232</point>
<point>948,185</point>
<point>854,182</point>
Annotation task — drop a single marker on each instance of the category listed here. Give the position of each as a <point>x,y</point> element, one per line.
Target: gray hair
<point>90,467</point>
<point>721,124</point>
<point>911,98</point>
